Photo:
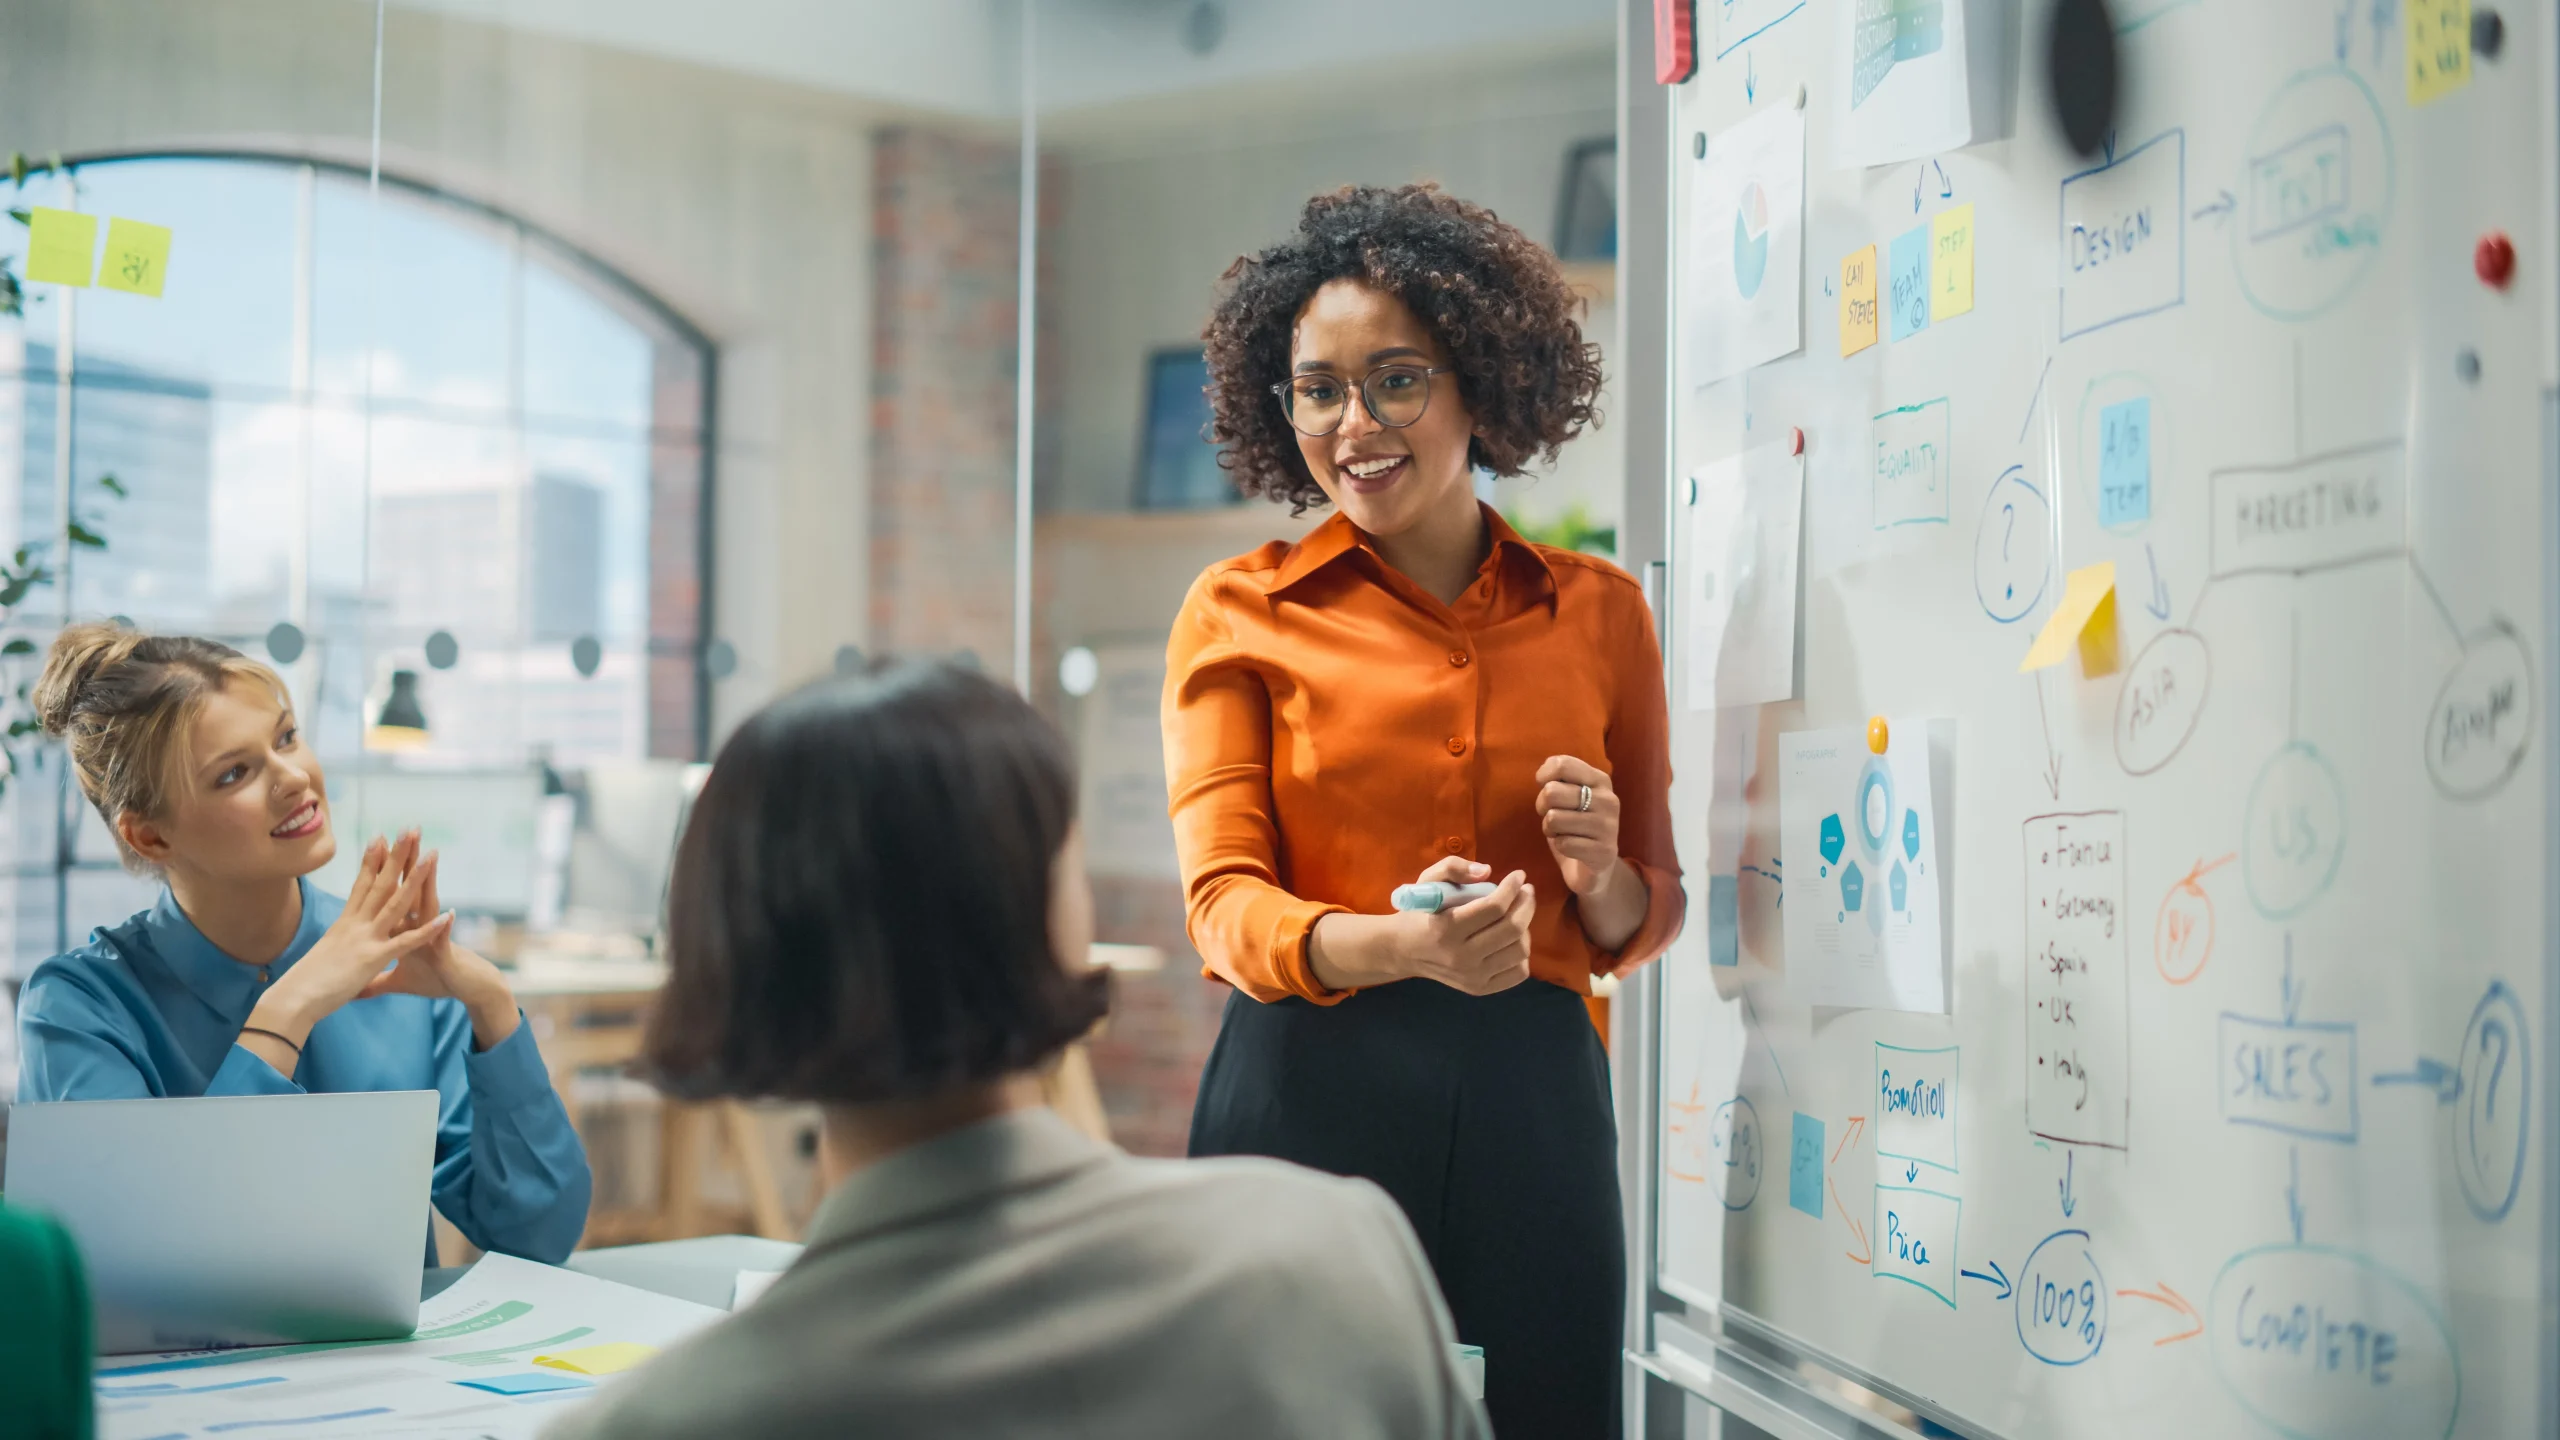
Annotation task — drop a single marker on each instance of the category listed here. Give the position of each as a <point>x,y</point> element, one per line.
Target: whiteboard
<point>2237,1121</point>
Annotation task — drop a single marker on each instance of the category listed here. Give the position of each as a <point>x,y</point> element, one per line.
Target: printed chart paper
<point>1900,74</point>
<point>1859,836</point>
<point>471,1370</point>
<point>1745,523</point>
<point>1742,278</point>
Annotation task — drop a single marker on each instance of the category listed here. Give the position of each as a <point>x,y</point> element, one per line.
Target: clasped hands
<point>392,938</point>
<point>1482,946</point>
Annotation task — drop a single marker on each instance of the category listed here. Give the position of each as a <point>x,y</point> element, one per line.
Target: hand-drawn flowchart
<point>2314,1324</point>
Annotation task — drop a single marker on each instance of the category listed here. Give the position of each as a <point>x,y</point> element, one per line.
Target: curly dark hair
<point>1496,299</point>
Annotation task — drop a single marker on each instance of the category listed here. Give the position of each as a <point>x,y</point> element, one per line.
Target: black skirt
<point>1488,1119</point>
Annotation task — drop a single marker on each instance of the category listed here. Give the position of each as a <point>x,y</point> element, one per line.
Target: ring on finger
<point>1586,799</point>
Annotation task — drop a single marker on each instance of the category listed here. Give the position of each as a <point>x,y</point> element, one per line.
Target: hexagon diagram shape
<point>1900,886</point>
<point>1834,840</point>
<point>1911,837</point>
<point>1853,886</point>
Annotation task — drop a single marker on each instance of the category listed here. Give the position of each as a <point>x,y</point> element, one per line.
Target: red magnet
<point>1795,441</point>
<point>1675,40</point>
<point>2494,259</point>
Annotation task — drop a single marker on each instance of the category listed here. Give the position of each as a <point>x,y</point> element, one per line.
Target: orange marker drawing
<point>2174,1301</point>
<point>2182,938</point>
<point>1848,1131</point>
<point>1856,1229</point>
<point>1684,1145</point>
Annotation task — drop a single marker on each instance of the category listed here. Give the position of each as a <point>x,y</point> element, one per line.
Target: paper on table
<point>1741,549</point>
<point>750,1286</point>
<point>1858,301</point>
<point>61,245</point>
<point>2087,615</point>
<point>1862,927</point>
<point>487,1325</point>
<point>611,1358</point>
<point>1742,276</point>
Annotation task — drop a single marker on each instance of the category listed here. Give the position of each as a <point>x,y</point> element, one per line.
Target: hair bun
<point>78,654</point>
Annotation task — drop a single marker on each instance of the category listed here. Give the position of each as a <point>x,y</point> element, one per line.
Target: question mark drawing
<point>2008,512</point>
<point>2498,1031</point>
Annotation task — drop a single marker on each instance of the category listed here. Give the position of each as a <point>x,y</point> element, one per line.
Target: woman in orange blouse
<point>1412,691</point>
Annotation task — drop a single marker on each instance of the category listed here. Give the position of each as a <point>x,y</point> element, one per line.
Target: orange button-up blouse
<point>1331,729</point>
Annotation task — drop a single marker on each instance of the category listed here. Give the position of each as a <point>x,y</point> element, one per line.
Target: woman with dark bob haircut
<point>879,904</point>
<point>1413,693</point>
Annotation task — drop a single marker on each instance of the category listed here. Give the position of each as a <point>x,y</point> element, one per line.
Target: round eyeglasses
<point>1394,396</point>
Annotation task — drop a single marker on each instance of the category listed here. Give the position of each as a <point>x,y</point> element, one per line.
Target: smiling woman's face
<point>1384,478</point>
<point>248,802</point>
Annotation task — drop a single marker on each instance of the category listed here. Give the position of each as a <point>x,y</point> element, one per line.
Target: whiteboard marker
<point>1436,895</point>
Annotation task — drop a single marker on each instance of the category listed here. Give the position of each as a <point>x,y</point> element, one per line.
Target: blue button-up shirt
<point>152,1008</point>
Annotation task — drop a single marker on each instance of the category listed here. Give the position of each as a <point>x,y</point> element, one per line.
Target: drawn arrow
<point>2068,1204</point>
<point>1946,187</point>
<point>1750,77</point>
<point>2158,604</point>
<point>2293,1195</point>
<point>1911,1173</point>
<point>2194,883</point>
<point>2052,757</point>
<point>2175,1301</point>
<point>1996,1277</point>
<point>2219,208</point>
<point>2292,991</point>
<point>2428,1075</point>
<point>2111,145</point>
<point>1854,1228</point>
<point>2346,23</point>
<point>1848,1132</point>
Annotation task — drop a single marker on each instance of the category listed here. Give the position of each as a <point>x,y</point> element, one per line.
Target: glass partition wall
<point>1174,138</point>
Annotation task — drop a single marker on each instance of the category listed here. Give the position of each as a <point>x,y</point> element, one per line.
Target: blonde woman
<point>244,979</point>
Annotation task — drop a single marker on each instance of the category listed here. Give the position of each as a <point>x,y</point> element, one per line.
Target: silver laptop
<point>236,1220</point>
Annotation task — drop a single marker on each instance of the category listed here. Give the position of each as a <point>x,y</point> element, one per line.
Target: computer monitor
<point>480,822</point>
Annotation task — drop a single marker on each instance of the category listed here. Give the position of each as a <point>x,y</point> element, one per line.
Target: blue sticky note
<point>2124,463</point>
<point>1804,1166</point>
<point>1724,915</point>
<point>1908,277</point>
<point>526,1384</point>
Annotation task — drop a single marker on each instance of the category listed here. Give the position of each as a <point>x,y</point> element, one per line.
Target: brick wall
<point>945,221</point>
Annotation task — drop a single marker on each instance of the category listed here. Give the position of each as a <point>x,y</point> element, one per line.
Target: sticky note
<point>2086,615</point>
<point>1858,301</point>
<point>1951,262</point>
<point>1804,1166</point>
<point>1724,915</point>
<point>2439,46</point>
<point>60,245</point>
<point>2124,463</point>
<point>137,257</point>
<point>607,1359</point>
<point>1908,283</point>
<point>526,1384</point>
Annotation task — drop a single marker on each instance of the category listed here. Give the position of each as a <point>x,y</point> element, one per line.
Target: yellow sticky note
<point>1950,263</point>
<point>137,257</point>
<point>1858,301</point>
<point>2439,46</point>
<point>60,245</point>
<point>610,1359</point>
<point>2087,615</point>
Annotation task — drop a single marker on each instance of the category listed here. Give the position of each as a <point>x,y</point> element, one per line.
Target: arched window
<point>408,437</point>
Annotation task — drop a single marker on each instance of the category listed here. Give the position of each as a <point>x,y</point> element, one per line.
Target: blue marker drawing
<point>1739,22</point>
<point>2124,236</point>
<point>1915,1239</point>
<point>2491,1133</point>
<point>1907,277</point>
<point>1753,1018</point>
<point>2068,1204</point>
<point>2295,1078</point>
<point>1996,1277</point>
<point>2062,1300</point>
<point>2124,463</point>
<point>2293,1194</point>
